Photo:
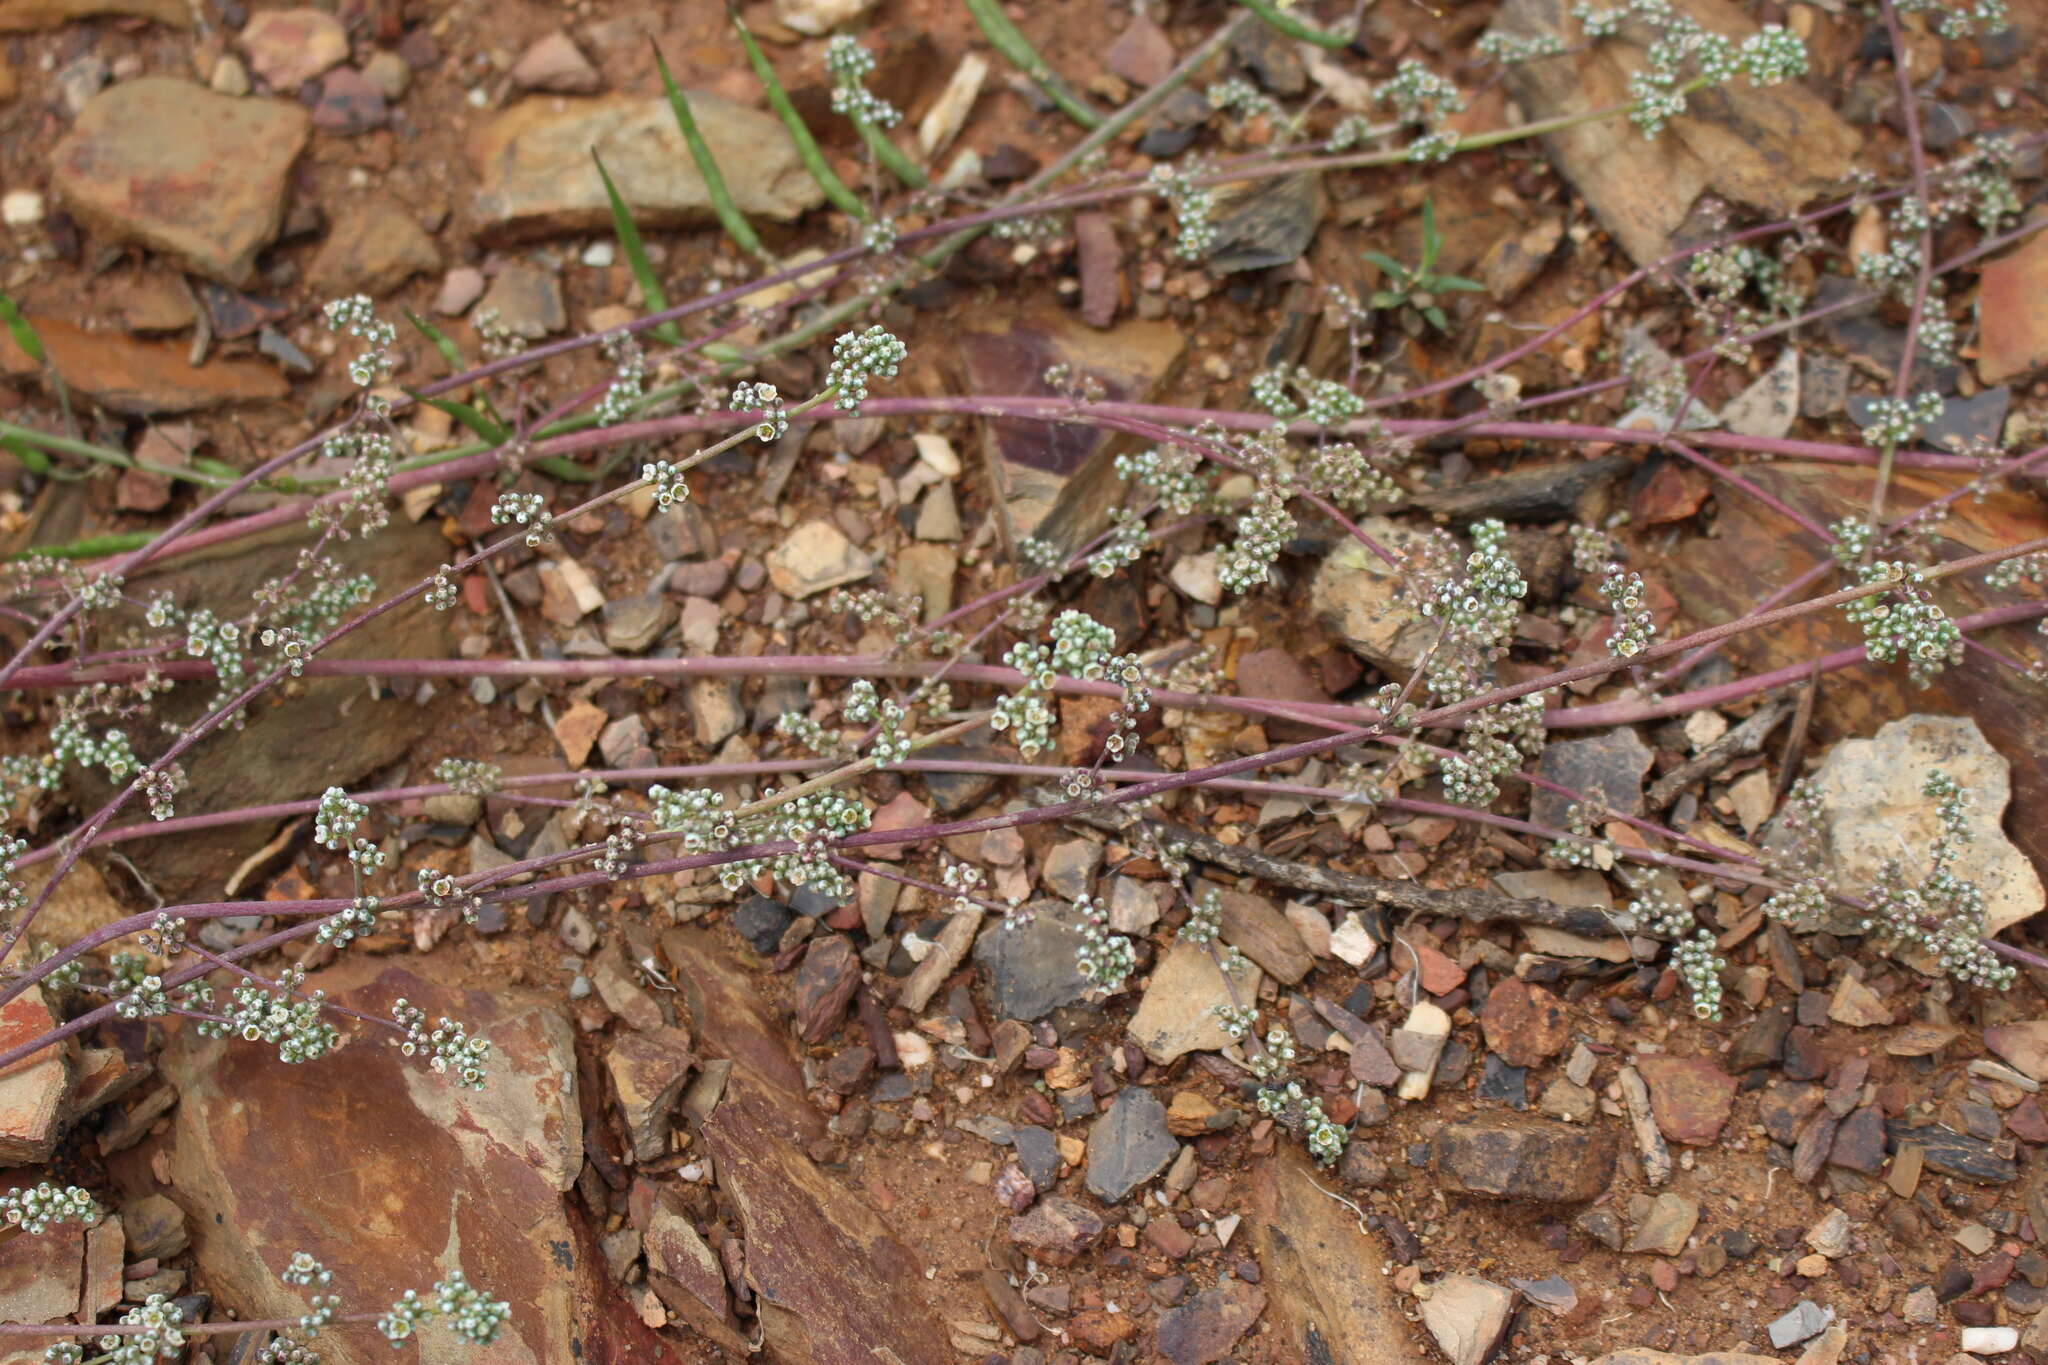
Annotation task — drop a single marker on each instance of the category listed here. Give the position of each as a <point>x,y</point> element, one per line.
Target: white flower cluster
<point>774,424</point>
<point>1081,647</point>
<point>34,1208</point>
<point>628,386</point>
<point>1194,208</point>
<point>160,1340</point>
<point>1106,959</point>
<point>336,818</point>
<point>468,1313</point>
<point>524,509</point>
<point>271,1015</point>
<point>667,482</point>
<point>1262,530</point>
<point>864,706</point>
<point>858,357</point>
<point>1960,20</point>
<point>1700,969</point>
<point>468,776</point>
<point>1681,44</point>
<point>1906,623</point>
<point>357,317</point>
<point>1942,914</point>
<point>814,825</point>
<point>447,1046</point>
<point>849,64</point>
<point>1239,98</point>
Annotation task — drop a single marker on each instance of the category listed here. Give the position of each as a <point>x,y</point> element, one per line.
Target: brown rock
<point>141,378</point>
<point>26,16</point>
<point>1100,262</point>
<point>1690,1097</point>
<point>1524,1024</point>
<point>537,179</point>
<point>1511,1156</point>
<point>825,984</point>
<point>2024,1046</point>
<point>1142,54</point>
<point>1664,1229</point>
<point>1206,1328</point>
<point>176,168</point>
<point>2012,313</point>
<point>398,1191</point>
<point>1857,1005</point>
<point>39,1276</point>
<point>1099,1331</point>
<point>373,247</point>
<point>1860,1141</point>
<point>684,1272</point>
<point>949,950</point>
<point>288,47</point>
<point>1255,926</point>
<point>648,1072</point>
<point>1057,1230</point>
<point>35,1091</point>
<point>556,65</point>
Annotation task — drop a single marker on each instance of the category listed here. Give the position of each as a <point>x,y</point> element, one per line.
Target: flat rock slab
<point>1772,148</point>
<point>1690,1097</point>
<point>1538,1159</point>
<point>1205,1328</point>
<point>1128,1145</point>
<point>1031,968</point>
<point>1607,769</point>
<point>537,178</point>
<point>26,16</point>
<point>141,378</point>
<point>1328,1294</point>
<point>171,166</point>
<point>1178,1013</point>
<point>1873,810</point>
<point>392,1176</point>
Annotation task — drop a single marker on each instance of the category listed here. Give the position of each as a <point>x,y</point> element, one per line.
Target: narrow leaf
<point>439,340</point>
<point>729,215</point>
<point>636,256</point>
<point>1005,37</point>
<point>92,547</point>
<point>1276,18</point>
<point>806,146</point>
<point>483,427</point>
<point>891,156</point>
<point>32,459</point>
<point>24,333</point>
<point>1442,282</point>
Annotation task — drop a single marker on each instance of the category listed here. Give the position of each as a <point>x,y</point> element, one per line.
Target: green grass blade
<point>439,340</point>
<point>892,156</point>
<point>24,332</point>
<point>31,459</point>
<point>729,215</point>
<point>1275,17</point>
<point>481,426</point>
<point>651,291</point>
<point>806,146</point>
<point>557,467</point>
<point>1006,39</point>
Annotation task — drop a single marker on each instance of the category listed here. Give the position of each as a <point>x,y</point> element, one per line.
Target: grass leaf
<point>24,332</point>
<point>806,146</point>
<point>628,232</point>
<point>439,340</point>
<point>1276,18</point>
<point>32,459</point>
<point>483,427</point>
<point>729,216</point>
<point>1006,39</point>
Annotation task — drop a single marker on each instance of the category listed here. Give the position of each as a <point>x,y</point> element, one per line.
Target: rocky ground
<point>873,1131</point>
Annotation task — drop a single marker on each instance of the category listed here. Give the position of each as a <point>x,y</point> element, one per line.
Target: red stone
<point>1690,1097</point>
<point>1524,1024</point>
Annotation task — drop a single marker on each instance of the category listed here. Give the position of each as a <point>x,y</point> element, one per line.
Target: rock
<point>1988,1341</point>
<point>816,18</point>
<point>1468,1317</point>
<point>527,302</point>
<point>2023,1045</point>
<point>1356,595</point>
<point>1038,1155</point>
<point>761,921</point>
<point>460,288</point>
<point>1871,805</point>
<point>349,103</point>
<point>1266,222</point>
<point>1804,1321</point>
<point>616,984</point>
<point>948,951</point>
<point>633,624</point>
<point>228,161</point>
<point>1254,926</point>
<point>389,74</point>
<point>1329,1294</point>
<point>648,1071</point>
<point>715,712</point>
<point>1194,575</point>
<point>1741,144</point>
<point>1640,1356</point>
<point>373,247</point>
<point>1513,1157</point>
<point>1417,1045</point>
<point>1767,407</point>
<point>435,1177</point>
<point>1665,1228</point>
<point>685,1272</point>
<point>948,113</point>
<point>1351,941</point>
<point>815,557</point>
<point>1205,1328</point>
<point>825,984</point>
<point>1100,262</point>
<point>1524,1024</point>
<point>624,743</point>
<point>1056,1230</point>
<point>536,177</point>
<point>1128,1145</point>
<point>154,1228</point>
<point>926,572</point>
<point>140,378</point>
<point>2012,319</point>
<point>1830,1236</point>
<point>1690,1097</point>
<point>1031,969</point>
<point>1956,1154</point>
<point>27,16</point>
<point>1311,924</point>
<point>938,516</point>
<point>36,1091</point>
<point>40,1276</point>
<point>1566,1099</point>
<point>288,47</point>
<point>1607,769</point>
<point>1133,909</point>
<point>555,64</point>
<point>1178,1012</point>
<point>1069,868</point>
<point>1142,54</point>
<point>1854,1003</point>
<point>1060,484</point>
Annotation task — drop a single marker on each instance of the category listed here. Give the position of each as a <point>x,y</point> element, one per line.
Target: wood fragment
<point>1649,1141</point>
<point>1746,738</point>
<point>1468,903</point>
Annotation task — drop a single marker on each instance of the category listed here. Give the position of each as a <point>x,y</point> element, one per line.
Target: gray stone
<point>1128,1145</point>
<point>1803,1321</point>
<point>1607,769</point>
<point>633,624</point>
<point>1663,1231</point>
<point>1032,969</point>
<point>527,301</point>
<point>1038,1154</point>
<point>1070,867</point>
